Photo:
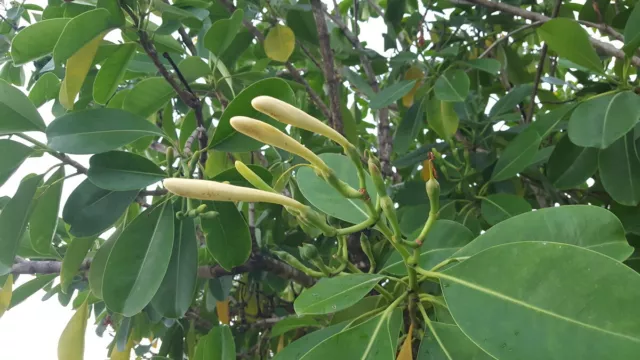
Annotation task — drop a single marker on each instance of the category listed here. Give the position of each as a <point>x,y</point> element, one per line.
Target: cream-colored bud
<point>291,115</point>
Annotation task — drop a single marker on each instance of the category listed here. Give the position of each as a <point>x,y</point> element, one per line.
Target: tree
<point>219,216</point>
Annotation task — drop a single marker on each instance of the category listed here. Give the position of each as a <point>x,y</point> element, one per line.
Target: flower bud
<point>252,177</point>
<point>376,175</point>
<point>171,157</point>
<point>433,192</point>
<point>309,252</point>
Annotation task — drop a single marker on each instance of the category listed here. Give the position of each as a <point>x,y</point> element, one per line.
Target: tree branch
<point>328,65</point>
<point>186,39</point>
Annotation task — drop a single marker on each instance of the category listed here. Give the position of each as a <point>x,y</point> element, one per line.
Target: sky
<point>31,330</point>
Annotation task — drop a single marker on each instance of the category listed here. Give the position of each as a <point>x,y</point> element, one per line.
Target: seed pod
<point>291,115</point>
<point>171,157</point>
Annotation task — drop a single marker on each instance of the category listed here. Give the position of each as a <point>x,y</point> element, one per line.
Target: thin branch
<point>186,39</point>
<point>60,156</point>
<point>328,65</point>
<point>500,40</point>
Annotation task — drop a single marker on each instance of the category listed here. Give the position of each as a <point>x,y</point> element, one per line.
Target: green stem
<point>433,216</point>
<point>432,299</point>
<point>447,262</point>
<point>378,288</point>
<point>357,227</point>
<point>427,321</point>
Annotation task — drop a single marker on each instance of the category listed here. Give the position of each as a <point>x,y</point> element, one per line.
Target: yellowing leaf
<point>77,69</point>
<point>280,344</point>
<point>405,350</point>
<point>71,343</point>
<point>5,294</point>
<point>123,355</point>
<point>279,43</point>
<point>222,308</point>
<point>414,73</point>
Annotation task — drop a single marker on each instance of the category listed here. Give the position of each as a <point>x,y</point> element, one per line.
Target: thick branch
<point>604,47</point>
<point>328,65</point>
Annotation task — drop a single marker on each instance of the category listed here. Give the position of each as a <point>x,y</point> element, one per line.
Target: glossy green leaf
<point>90,210</point>
<point>600,121</point>
<point>71,342</point>
<point>442,118</point>
<point>452,85</point>
<point>225,138</point>
<point>409,127</point>
<point>138,261</point>
<point>46,88</point>
<point>44,217</point>
<point>334,294</point>
<point>620,171</point>
<point>375,338</point>
<point>522,150</point>
<point>98,264</point>
<point>73,258</point>
<point>98,130</point>
<point>292,323</point>
<point>122,171</point>
<point>510,101</point>
<point>632,31</point>
<point>362,307</point>
<point>218,344</point>
<point>301,346</point>
<point>13,221</point>
<point>391,94</point>
<point>445,238</point>
<point>458,345</point>
<point>499,207</point>
<point>113,6</point>
<point>227,235</point>
<point>222,32</point>
<point>324,197</point>
<point>176,291</point>
<point>36,40</point>
<point>111,73</point>
<point>492,66</point>
<point>303,24</point>
<point>569,40</point>
<point>24,291</point>
<point>17,113</point>
<point>587,226</point>
<point>171,10</point>
<point>570,165</point>
<point>13,155</point>
<point>599,302</point>
<point>80,31</point>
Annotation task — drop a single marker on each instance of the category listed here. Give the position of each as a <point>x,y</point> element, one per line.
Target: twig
<point>186,39</point>
<point>13,26</point>
<point>60,156</point>
<point>498,41</point>
<point>540,70</point>
<point>328,67</point>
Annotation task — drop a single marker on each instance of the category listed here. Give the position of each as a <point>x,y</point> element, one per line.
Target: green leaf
<point>171,10</point>
<point>122,171</point>
<point>98,264</point>
<point>391,94</point>
<point>138,261</point>
<point>303,24</point>
<point>409,127</point>
<point>111,73</point>
<point>445,238</point>
<point>508,103</point>
<point>29,288</point>
<point>569,40</point>
<point>291,323</point>
<point>499,207</point>
<point>6,293</point>
<point>631,32</point>
<point>327,199</point>
<point>73,258</point>
<point>17,113</point>
<point>600,121</point>
<point>522,150</point>
<point>362,307</point>
<point>71,343</point>
<point>218,344</point>
<point>46,88</point>
<point>227,235</point>
<point>13,221</point>
<point>458,345</point>
<point>90,210</point>
<point>222,32</point>
<point>334,294</point>
<point>599,300</point>
<point>442,118</point>
<point>14,154</point>
<point>570,166</point>
<point>44,217</point>
<point>37,40</point>
<point>173,298</point>
<point>587,226</point>
<point>187,126</point>
<point>80,31</point>
<point>113,6</point>
<point>492,66</point>
<point>234,178</point>
<point>301,346</point>
<point>225,138</point>
<point>452,85</point>
<point>98,130</point>
<point>620,171</point>
<point>376,338</point>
